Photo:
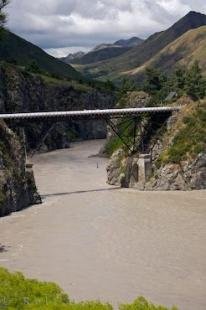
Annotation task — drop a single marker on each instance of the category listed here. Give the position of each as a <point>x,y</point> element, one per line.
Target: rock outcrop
<point>17,185</point>
<point>187,175</point>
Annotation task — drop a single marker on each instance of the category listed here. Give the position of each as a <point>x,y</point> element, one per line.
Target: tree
<point>154,81</point>
<point>126,86</point>
<point>3,3</point>
<point>195,83</point>
<point>180,78</point>
<point>33,67</point>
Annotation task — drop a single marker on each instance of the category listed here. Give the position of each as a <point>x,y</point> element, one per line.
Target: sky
<point>64,26</point>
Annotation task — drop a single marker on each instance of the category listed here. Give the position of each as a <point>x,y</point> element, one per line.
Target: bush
<point>33,68</point>
<point>142,304</point>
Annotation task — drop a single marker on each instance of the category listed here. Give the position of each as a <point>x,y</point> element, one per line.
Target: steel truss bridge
<point>50,119</point>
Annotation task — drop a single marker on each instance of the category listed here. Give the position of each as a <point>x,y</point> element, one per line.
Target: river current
<point>104,243</point>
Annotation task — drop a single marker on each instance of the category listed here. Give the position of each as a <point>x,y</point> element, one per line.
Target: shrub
<point>142,304</point>
<point>190,139</point>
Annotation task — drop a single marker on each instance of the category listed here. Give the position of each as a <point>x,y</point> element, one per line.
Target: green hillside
<point>190,47</point>
<point>21,52</point>
<point>139,55</point>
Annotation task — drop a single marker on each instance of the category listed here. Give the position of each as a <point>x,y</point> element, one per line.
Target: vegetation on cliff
<point>17,292</point>
<point>190,135</point>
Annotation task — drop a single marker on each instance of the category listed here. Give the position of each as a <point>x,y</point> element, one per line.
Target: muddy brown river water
<point>105,243</point>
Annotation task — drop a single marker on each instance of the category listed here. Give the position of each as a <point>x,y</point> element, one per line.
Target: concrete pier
<point>144,168</point>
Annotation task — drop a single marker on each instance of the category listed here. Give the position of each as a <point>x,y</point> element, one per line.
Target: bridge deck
<point>87,114</point>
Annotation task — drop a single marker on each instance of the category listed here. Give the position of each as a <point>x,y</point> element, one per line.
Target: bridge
<point>53,117</point>
<point>87,114</point>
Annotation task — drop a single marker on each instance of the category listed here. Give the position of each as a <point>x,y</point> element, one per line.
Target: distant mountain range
<point>157,50</point>
<point>16,50</point>
<point>181,44</point>
<point>102,52</point>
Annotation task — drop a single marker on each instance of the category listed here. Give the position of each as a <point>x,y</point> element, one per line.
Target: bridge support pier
<point>140,171</point>
<point>144,167</point>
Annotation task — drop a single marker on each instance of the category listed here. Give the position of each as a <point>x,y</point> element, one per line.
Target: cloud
<point>59,25</point>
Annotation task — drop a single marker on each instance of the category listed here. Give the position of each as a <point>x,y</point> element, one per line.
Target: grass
<point>190,139</point>
<point>19,293</point>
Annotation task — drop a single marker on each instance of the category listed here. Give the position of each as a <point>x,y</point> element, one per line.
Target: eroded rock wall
<point>17,184</point>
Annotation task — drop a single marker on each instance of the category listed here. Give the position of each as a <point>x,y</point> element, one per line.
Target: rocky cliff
<point>174,157</point>
<point>21,91</point>
<point>17,185</point>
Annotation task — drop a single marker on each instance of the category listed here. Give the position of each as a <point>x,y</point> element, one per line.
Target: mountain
<point>190,47</point>
<point>134,41</point>
<point>103,52</point>
<point>103,46</point>
<point>73,56</point>
<point>21,52</point>
<point>100,55</point>
<point>139,55</point>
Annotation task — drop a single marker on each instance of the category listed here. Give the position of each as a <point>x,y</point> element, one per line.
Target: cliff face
<point>22,92</point>
<point>17,185</point>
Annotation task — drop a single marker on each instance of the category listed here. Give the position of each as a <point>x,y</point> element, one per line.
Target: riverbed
<point>100,242</point>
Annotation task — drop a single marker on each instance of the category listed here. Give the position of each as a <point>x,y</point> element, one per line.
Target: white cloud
<point>74,24</point>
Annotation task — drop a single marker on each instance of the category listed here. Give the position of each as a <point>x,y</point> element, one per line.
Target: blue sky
<point>65,26</point>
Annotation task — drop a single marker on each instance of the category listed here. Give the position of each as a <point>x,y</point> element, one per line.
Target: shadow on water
<point>80,192</point>
<point>3,248</point>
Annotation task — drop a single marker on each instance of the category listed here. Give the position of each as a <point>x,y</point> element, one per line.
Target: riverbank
<point>102,242</point>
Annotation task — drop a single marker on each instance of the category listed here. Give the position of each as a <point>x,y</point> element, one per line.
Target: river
<point>102,242</point>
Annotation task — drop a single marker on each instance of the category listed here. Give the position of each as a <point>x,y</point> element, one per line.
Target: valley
<point>109,206</point>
